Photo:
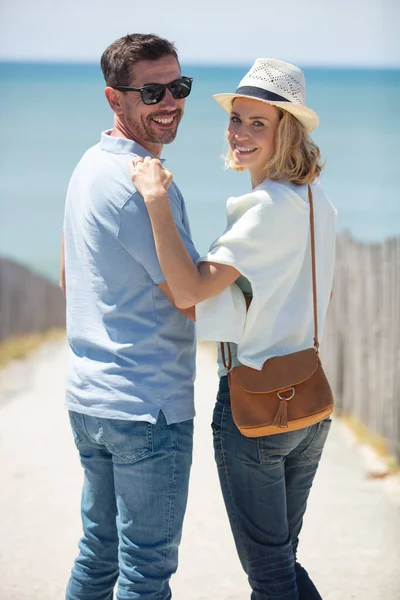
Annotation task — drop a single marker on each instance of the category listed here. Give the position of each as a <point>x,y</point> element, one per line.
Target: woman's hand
<point>150,178</point>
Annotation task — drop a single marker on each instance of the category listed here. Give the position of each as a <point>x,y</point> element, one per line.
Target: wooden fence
<point>29,303</point>
<point>361,347</point>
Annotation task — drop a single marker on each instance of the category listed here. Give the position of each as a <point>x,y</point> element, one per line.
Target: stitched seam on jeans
<point>77,438</point>
<point>172,490</point>
<point>239,529</point>
<point>84,425</point>
<point>129,458</point>
<point>314,456</point>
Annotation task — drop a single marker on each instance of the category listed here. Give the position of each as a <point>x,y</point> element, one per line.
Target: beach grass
<point>20,347</point>
<point>366,436</point>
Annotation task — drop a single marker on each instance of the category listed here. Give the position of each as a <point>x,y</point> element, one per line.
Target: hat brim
<point>305,115</point>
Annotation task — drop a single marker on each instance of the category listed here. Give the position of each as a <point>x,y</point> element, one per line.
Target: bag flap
<point>278,373</point>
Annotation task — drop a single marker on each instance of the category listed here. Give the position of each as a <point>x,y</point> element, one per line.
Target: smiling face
<point>251,135</point>
<point>150,125</point>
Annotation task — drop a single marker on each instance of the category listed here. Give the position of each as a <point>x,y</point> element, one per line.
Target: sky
<point>308,32</point>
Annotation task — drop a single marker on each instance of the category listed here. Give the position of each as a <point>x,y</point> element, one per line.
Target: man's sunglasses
<point>153,93</point>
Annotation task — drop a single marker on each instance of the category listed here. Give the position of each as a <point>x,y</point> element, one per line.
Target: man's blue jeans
<point>265,483</point>
<point>136,478</point>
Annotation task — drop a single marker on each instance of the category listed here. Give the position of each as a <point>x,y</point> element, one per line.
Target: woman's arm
<point>190,313</point>
<point>189,284</point>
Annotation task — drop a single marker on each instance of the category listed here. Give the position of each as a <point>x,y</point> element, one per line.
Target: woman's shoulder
<point>271,196</point>
<point>266,195</point>
<point>272,199</point>
<point>281,191</point>
<point>284,191</point>
<point>265,210</point>
<point>237,206</point>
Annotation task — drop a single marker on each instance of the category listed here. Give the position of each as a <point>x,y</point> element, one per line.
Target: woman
<point>265,250</point>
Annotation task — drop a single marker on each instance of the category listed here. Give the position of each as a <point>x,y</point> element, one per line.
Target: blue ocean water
<point>51,113</point>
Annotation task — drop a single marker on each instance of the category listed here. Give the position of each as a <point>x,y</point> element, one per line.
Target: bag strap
<point>314,289</point>
<point>314,275</point>
<point>227,366</point>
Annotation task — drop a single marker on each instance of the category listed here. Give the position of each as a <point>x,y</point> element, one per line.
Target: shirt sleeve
<point>222,317</point>
<point>136,235</point>
<point>266,244</point>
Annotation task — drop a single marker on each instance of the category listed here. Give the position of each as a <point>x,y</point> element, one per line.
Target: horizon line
<point>240,63</point>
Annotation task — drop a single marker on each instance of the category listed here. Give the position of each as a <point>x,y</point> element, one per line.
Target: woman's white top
<point>267,240</point>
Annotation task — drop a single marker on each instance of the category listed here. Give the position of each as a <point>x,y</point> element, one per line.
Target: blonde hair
<point>296,157</point>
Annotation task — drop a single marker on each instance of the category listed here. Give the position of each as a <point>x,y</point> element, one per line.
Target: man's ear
<point>114,99</point>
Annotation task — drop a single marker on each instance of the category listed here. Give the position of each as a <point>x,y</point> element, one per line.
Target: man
<point>132,352</point>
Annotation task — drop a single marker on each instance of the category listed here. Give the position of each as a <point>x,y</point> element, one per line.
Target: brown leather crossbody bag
<point>290,392</point>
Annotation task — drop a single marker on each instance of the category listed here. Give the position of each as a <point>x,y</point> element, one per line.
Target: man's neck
<point>154,149</point>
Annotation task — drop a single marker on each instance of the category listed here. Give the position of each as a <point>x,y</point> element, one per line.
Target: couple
<point>133,277</point>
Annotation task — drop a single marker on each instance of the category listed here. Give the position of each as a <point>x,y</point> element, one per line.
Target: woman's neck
<point>257,177</point>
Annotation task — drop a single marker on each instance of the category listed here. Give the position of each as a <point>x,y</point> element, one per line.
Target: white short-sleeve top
<point>267,239</point>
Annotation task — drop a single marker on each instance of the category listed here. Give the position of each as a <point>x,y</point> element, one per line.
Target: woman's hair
<point>296,157</point>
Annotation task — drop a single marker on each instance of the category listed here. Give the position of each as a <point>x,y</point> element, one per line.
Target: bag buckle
<point>279,394</point>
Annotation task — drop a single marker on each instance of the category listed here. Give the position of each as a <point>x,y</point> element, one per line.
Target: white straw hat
<point>275,82</point>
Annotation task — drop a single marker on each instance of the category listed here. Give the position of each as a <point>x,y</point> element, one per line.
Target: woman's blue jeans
<point>136,478</point>
<point>265,483</point>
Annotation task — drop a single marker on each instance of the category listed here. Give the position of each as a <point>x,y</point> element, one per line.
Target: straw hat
<point>274,82</point>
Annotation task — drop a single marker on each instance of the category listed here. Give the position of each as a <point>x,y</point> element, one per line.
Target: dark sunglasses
<point>153,93</point>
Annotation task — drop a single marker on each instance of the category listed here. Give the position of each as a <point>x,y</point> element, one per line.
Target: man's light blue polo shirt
<point>131,352</point>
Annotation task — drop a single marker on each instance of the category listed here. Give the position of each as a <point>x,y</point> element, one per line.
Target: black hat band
<point>256,92</point>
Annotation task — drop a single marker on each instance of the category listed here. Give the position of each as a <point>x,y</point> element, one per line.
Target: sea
<point>51,113</point>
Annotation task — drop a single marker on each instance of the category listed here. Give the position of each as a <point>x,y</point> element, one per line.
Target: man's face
<point>153,124</point>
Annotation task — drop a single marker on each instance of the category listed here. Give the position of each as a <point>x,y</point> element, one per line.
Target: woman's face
<point>251,134</point>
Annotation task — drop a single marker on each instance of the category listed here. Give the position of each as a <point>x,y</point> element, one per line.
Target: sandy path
<point>350,538</point>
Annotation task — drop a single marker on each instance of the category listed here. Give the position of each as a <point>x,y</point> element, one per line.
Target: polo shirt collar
<point>119,145</point>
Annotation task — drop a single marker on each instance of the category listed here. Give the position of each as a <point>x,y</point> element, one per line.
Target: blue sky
<point>320,32</point>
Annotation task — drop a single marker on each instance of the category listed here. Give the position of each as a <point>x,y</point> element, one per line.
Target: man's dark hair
<point>119,58</point>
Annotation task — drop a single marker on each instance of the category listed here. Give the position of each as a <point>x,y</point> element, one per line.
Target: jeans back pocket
<point>314,450</point>
<point>130,441</point>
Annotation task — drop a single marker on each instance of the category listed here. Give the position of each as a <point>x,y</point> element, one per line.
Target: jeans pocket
<point>273,459</point>
<point>272,449</point>
<point>314,450</point>
<point>73,419</point>
<point>130,441</point>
